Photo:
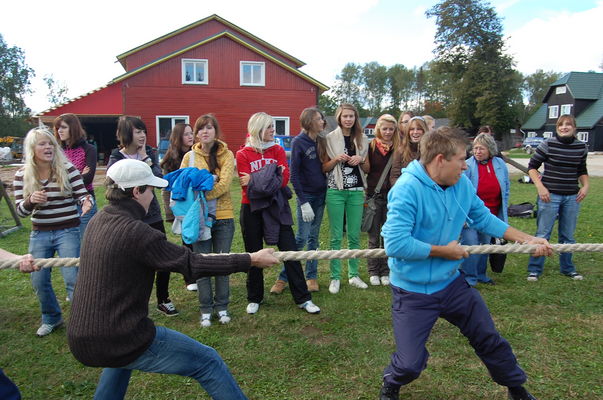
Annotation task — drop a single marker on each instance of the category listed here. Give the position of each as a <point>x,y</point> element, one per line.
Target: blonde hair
<point>386,118</point>
<point>257,125</point>
<point>441,142</point>
<point>31,173</point>
<point>429,120</point>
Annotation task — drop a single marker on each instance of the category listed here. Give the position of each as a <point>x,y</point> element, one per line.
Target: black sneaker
<point>389,392</point>
<point>520,393</point>
<point>167,308</point>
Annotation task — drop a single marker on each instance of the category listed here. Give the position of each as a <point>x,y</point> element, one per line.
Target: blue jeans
<point>475,265</point>
<point>84,219</point>
<point>566,209</point>
<point>174,353</point>
<point>222,233</point>
<point>44,244</point>
<point>307,232</point>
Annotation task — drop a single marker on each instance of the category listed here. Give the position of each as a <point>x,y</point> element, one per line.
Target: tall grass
<point>555,327</point>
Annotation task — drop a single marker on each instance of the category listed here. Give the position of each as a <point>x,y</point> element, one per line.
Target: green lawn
<point>555,327</point>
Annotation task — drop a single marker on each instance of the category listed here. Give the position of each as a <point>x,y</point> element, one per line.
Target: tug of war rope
<point>516,248</point>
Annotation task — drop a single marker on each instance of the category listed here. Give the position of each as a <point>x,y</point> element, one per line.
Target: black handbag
<point>370,207</point>
<point>497,261</point>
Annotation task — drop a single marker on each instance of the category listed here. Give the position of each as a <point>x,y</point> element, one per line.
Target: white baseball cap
<point>129,173</point>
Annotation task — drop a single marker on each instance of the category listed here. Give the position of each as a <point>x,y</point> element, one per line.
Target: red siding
<point>159,91</point>
<point>107,101</point>
<point>187,38</point>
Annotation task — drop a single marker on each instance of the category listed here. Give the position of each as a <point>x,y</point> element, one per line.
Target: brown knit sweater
<point>109,324</point>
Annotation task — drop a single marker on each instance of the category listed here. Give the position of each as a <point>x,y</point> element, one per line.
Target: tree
<point>327,104</point>
<point>14,84</point>
<point>57,91</point>
<point>374,87</point>
<point>470,52</point>
<point>347,88</point>
<point>534,88</point>
<point>400,82</point>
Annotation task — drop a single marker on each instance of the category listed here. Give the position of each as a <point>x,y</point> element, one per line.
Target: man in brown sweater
<point>109,325</point>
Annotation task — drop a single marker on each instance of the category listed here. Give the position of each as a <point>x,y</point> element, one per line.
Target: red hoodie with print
<point>250,160</point>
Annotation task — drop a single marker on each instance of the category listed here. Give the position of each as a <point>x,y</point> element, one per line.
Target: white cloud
<point>561,42</point>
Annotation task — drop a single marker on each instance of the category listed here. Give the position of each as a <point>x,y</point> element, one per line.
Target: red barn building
<point>210,66</point>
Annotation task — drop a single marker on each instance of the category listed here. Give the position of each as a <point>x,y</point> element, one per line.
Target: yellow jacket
<point>225,170</point>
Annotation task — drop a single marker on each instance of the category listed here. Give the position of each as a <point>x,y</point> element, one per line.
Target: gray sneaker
<point>47,329</point>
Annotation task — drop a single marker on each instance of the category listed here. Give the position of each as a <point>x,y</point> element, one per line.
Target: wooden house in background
<point>579,94</point>
<point>210,66</point>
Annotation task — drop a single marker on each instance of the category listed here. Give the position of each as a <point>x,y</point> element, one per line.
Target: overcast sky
<point>77,41</point>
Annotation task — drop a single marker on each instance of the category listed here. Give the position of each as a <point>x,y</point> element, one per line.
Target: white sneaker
<point>310,307</point>
<point>334,286</point>
<point>205,320</point>
<point>357,282</point>
<point>223,317</point>
<point>385,280</point>
<point>252,308</point>
<point>47,329</point>
<point>374,279</point>
<point>192,287</point>
<point>532,277</point>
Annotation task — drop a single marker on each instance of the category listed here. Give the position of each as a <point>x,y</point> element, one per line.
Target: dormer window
<point>566,109</point>
<point>253,73</point>
<point>560,90</point>
<point>194,72</point>
<point>553,112</point>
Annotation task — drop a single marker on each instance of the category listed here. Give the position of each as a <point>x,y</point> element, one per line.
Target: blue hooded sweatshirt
<point>421,214</point>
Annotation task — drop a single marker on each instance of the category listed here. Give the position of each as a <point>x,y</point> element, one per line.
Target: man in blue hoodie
<point>427,209</point>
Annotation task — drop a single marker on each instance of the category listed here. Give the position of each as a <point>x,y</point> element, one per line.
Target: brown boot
<point>278,287</point>
<point>312,285</point>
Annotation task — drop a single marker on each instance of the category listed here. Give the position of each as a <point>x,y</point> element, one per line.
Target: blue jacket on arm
<point>421,214</point>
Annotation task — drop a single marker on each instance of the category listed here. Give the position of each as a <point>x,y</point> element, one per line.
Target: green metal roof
<point>582,85</point>
<point>537,119</point>
<point>591,116</point>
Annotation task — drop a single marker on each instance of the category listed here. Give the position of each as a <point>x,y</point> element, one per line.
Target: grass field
<point>555,327</point>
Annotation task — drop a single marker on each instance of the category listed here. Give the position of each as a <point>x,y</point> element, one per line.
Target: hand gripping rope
<point>347,253</point>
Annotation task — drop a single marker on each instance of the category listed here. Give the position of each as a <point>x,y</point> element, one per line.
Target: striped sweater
<point>563,164</point>
<point>60,211</point>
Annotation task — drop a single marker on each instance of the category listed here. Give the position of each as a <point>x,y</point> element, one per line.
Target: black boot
<point>520,393</point>
<point>389,392</point>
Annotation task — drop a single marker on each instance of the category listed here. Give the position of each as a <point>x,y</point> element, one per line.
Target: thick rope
<point>346,253</point>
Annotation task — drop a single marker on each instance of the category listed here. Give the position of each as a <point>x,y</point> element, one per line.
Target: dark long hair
<point>213,152</point>
<point>125,129</point>
<point>173,156</point>
<point>76,131</point>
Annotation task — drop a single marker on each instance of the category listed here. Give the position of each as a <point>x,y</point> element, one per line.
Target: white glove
<point>307,212</point>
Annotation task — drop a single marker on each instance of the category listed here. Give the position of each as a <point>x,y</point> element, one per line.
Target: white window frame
<point>566,109</point>
<point>174,118</point>
<point>561,89</point>
<point>287,123</point>
<point>553,112</point>
<point>531,134</point>
<point>196,61</point>
<point>262,73</point>
<point>582,136</point>
<point>547,135</point>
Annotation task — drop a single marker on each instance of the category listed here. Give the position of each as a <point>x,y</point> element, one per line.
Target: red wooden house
<point>210,66</point>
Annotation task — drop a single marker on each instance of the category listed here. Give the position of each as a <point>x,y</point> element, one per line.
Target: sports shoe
<point>312,285</point>
<point>334,286</point>
<point>520,393</point>
<point>310,307</point>
<point>374,280</point>
<point>167,308</point>
<point>575,276</point>
<point>205,320</point>
<point>47,329</point>
<point>389,392</point>
<point>357,282</point>
<point>385,280</point>
<point>192,287</point>
<point>223,317</point>
<point>278,287</point>
<point>532,277</point>
<point>252,308</point>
